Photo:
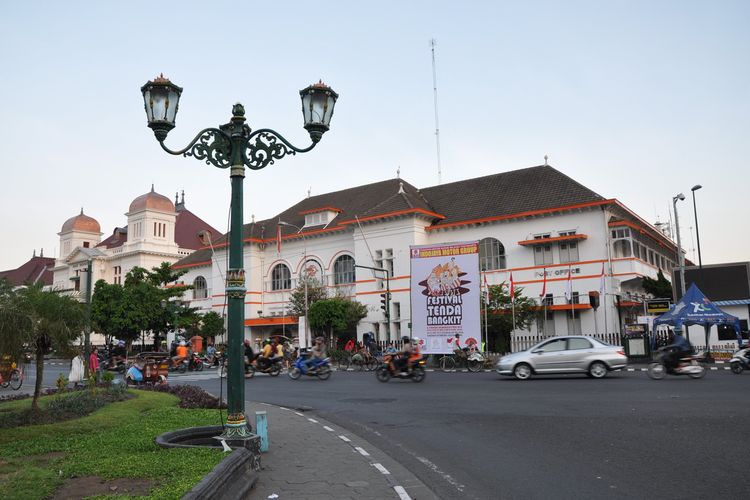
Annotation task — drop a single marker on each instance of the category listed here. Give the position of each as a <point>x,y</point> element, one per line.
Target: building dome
<point>81,223</point>
<point>151,201</point>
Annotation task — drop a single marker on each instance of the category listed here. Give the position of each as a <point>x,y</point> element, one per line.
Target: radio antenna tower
<point>433,42</point>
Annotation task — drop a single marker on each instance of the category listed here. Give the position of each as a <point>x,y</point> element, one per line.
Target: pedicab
<point>150,368</point>
<point>10,374</point>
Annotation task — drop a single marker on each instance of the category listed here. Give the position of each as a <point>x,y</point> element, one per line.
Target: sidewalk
<point>310,459</point>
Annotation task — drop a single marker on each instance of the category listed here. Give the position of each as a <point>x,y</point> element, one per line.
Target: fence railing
<point>523,342</point>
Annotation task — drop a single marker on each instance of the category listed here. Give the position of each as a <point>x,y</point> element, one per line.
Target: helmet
<point>457,335</point>
<point>182,342</point>
<point>319,339</point>
<point>405,339</point>
<point>121,343</point>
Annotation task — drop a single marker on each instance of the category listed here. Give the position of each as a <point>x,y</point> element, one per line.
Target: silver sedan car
<point>570,354</point>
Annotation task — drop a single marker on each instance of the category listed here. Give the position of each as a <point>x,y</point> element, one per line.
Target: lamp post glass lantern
<point>161,99</point>
<point>235,146</point>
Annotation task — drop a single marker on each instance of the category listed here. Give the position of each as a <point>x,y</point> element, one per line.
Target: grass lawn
<point>116,441</point>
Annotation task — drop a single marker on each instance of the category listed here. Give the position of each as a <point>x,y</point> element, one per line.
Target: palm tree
<point>41,319</point>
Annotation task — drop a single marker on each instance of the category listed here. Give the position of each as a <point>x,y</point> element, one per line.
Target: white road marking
<point>312,420</point>
<point>402,494</point>
<point>327,428</point>
<point>344,438</point>
<point>362,451</point>
<point>382,469</point>
<point>298,414</point>
<point>447,477</point>
<point>282,408</point>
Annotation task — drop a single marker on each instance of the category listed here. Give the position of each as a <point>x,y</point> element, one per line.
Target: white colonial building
<point>157,231</point>
<point>529,222</point>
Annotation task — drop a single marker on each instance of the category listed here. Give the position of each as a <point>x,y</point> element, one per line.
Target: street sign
<point>657,306</point>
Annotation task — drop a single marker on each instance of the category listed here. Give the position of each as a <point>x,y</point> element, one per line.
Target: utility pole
<point>387,297</point>
<point>87,327</point>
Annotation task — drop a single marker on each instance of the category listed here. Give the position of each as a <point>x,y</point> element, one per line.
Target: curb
<point>232,478</point>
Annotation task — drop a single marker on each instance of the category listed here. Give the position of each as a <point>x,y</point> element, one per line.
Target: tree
<point>135,307</point>
<point>107,309</point>
<point>315,293</point>
<point>502,312</point>
<point>659,288</point>
<point>212,325</point>
<point>41,319</point>
<point>336,314</point>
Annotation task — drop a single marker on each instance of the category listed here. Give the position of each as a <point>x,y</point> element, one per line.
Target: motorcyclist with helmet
<point>249,354</point>
<point>317,353</point>
<point>401,359</point>
<point>678,349</point>
<point>181,353</point>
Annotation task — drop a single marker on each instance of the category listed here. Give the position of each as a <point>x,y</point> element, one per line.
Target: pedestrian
<point>76,370</point>
<point>94,365</point>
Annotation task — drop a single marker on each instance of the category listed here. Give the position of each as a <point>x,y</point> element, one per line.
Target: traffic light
<point>384,302</point>
<point>594,299</point>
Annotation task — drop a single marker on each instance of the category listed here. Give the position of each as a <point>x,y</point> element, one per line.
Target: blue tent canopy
<point>694,308</point>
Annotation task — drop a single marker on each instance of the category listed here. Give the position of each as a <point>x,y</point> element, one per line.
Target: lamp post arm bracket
<point>265,146</point>
<point>211,145</point>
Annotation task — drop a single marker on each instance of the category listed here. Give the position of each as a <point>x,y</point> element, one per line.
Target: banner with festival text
<point>445,295</point>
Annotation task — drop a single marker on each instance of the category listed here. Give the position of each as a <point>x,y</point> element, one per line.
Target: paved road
<point>479,436</point>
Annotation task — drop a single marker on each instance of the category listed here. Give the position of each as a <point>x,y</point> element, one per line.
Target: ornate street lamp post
<point>235,146</point>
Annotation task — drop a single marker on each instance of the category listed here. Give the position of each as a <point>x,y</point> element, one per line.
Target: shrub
<point>190,396</point>
<point>61,383</point>
<point>107,378</point>
<point>76,403</point>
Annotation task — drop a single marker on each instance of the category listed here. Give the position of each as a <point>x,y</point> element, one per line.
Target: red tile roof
<point>36,270</point>
<point>118,237</point>
<point>189,228</point>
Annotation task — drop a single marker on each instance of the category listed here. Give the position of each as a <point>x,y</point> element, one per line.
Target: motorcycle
<point>195,363</point>
<point>114,363</point>
<point>690,366</point>
<point>320,368</point>
<point>387,370</point>
<point>273,367</point>
<point>213,362</point>
<point>180,366</point>
<point>740,360</point>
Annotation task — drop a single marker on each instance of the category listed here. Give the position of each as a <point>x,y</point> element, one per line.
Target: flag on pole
<point>602,282</point>
<point>278,239</point>
<point>569,286</point>
<point>512,287</point>
<point>486,291</point>
<point>544,284</point>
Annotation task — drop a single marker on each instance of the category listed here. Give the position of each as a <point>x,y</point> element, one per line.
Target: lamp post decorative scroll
<point>235,145</point>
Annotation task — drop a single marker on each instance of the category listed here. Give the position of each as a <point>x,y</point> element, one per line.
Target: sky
<point>637,100</point>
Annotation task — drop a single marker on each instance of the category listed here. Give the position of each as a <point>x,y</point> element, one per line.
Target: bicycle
<point>358,361</point>
<point>473,361</point>
<point>10,375</point>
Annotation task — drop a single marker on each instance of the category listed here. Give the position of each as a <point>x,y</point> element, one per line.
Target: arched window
<point>491,254</point>
<point>343,270</point>
<point>200,289</point>
<point>312,271</point>
<point>281,278</point>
